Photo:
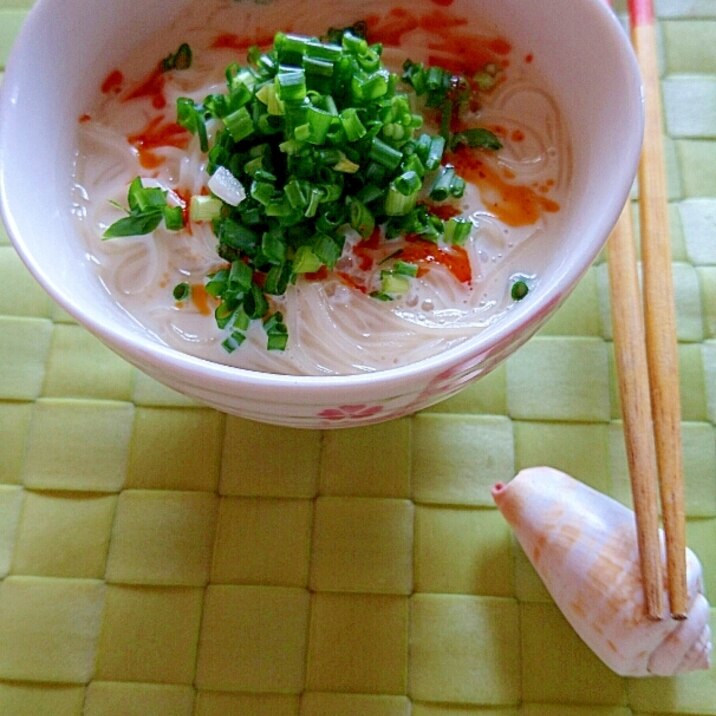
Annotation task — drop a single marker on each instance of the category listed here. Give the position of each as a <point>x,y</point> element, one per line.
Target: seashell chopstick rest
<point>583,545</point>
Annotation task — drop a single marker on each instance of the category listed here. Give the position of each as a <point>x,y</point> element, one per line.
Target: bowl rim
<point>518,319</point>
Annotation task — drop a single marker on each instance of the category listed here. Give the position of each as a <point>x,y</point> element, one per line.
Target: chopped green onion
<point>440,189</point>
<point>519,290</point>
<point>306,261</point>
<point>240,276</point>
<point>319,122</point>
<point>314,199</point>
<point>317,66</point>
<point>241,320</point>
<point>224,314</point>
<point>217,282</point>
<point>384,154</point>
<point>190,116</point>
<point>277,341</point>
<point>369,87</point>
<point>276,332</point>
<point>262,191</point>
<point>255,303</point>
<point>328,51</point>
<point>369,60</point>
<point>291,85</point>
<point>345,165</point>
<point>179,60</point>
<point>354,42</point>
<point>329,222</point>
<point>412,163</point>
<point>352,125</point>
<point>173,217</point>
<point>403,268</point>
<point>239,124</point>
<point>434,82</point>
<point>237,75</point>
<point>236,235</point>
<point>290,48</point>
<point>434,153</point>
<point>295,194</point>
<point>279,206</point>
<point>264,64</point>
<point>457,230</point>
<point>486,78</point>
<point>408,183</point>
<point>326,250</point>
<point>142,198</point>
<point>361,218</point>
<point>397,203</point>
<point>278,278</point>
<point>273,247</point>
<point>231,343</point>
<point>268,95</point>
<point>394,283</point>
<point>476,137</point>
<point>204,208</point>
<point>457,187</point>
<point>181,291</point>
<point>369,193</point>
<point>381,296</point>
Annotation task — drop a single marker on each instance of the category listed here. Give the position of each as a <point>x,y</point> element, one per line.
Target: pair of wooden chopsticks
<point>646,349</point>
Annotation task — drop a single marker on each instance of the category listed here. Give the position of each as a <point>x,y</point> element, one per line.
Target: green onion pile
<point>314,136</point>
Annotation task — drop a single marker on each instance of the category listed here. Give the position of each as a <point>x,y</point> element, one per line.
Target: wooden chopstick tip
<point>641,12</point>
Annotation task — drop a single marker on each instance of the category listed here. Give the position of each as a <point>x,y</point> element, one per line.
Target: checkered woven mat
<point>158,557</point>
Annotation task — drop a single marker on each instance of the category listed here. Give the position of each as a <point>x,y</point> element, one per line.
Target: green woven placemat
<point>150,565</point>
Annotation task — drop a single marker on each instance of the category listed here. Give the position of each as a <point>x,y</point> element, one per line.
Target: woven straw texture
<point>158,557</point>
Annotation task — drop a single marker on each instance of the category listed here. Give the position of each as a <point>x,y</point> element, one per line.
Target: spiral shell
<point>583,546</point>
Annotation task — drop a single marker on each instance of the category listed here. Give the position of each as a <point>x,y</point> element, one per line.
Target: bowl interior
<point>578,47</point>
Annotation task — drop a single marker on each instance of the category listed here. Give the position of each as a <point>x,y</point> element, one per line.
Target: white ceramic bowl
<point>67,46</point>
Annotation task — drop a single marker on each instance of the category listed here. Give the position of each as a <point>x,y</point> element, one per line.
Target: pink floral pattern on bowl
<point>350,412</point>
<point>443,385</point>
